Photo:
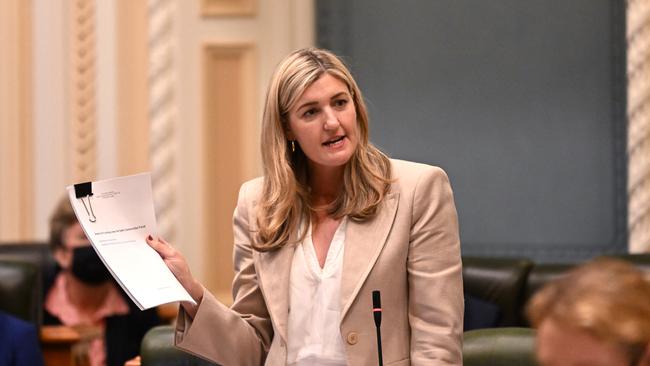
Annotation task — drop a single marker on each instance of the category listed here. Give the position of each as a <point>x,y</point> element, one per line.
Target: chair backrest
<point>499,347</point>
<point>499,281</point>
<point>542,274</point>
<point>39,255</point>
<point>157,349</point>
<point>20,293</point>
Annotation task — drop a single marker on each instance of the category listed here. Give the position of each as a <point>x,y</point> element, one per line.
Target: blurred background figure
<point>83,295</point>
<point>18,342</point>
<point>598,314</point>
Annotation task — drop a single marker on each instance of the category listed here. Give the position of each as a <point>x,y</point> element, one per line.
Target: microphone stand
<point>376,312</point>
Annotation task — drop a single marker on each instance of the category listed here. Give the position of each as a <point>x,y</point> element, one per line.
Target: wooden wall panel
<point>227,142</point>
<point>132,85</point>
<point>16,156</point>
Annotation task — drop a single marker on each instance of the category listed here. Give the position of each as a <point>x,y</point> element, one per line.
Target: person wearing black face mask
<point>83,295</point>
<point>87,267</point>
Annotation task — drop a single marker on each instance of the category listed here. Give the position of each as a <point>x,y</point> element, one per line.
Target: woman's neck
<point>326,184</point>
<point>86,298</point>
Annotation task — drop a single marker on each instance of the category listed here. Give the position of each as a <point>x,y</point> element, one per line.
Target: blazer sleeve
<point>241,334</point>
<point>435,273</point>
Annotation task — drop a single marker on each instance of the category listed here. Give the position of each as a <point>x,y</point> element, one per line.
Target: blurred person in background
<point>597,314</point>
<point>83,295</point>
<point>18,342</point>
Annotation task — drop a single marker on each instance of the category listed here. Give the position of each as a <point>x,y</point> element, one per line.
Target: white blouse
<point>314,337</point>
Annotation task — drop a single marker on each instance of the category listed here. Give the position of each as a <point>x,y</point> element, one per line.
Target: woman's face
<point>80,259</point>
<point>558,344</point>
<point>73,237</point>
<point>324,123</point>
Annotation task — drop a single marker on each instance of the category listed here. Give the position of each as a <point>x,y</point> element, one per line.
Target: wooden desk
<point>57,342</point>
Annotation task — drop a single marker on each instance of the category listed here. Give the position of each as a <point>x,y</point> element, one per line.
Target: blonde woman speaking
<point>332,219</point>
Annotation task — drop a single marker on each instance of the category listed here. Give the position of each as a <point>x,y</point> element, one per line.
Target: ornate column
<point>162,113</point>
<point>82,110</point>
<point>638,70</point>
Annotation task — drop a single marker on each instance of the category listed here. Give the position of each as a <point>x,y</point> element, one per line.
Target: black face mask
<point>87,267</point>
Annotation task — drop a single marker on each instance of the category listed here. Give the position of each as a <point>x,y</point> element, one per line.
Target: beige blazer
<point>410,251</point>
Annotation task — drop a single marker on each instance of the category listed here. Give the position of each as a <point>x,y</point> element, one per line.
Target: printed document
<point>116,215</point>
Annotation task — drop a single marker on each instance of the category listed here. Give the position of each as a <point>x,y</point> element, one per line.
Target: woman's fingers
<point>162,247</point>
<point>177,265</point>
<point>172,258</point>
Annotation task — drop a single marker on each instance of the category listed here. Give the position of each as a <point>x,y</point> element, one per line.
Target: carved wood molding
<point>162,113</point>
<point>638,69</point>
<point>82,107</point>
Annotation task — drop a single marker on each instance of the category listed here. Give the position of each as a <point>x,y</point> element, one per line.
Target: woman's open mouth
<point>334,142</point>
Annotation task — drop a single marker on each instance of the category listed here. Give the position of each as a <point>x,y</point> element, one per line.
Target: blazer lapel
<point>274,269</point>
<point>363,243</point>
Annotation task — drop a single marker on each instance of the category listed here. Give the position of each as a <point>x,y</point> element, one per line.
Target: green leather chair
<point>157,349</point>
<point>482,347</point>
<point>37,253</point>
<point>500,281</point>
<point>499,347</point>
<point>20,293</point>
<point>39,256</point>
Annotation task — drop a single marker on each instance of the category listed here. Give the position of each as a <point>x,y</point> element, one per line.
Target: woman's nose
<point>331,120</point>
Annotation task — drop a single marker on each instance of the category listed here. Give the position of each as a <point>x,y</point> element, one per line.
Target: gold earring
<point>293,146</point>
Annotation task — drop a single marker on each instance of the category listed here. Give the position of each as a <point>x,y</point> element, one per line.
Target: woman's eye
<point>340,102</point>
<point>310,112</point>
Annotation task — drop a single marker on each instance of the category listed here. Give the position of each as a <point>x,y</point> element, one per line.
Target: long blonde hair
<point>285,196</point>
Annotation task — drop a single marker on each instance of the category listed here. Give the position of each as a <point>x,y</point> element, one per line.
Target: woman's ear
<point>63,257</point>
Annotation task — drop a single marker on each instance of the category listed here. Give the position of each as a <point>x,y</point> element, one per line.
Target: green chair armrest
<point>499,347</point>
<point>157,349</point>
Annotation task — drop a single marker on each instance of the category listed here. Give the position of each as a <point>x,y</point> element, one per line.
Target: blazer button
<point>352,338</point>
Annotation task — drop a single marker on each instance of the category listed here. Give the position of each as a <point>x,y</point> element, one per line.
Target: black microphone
<point>376,313</point>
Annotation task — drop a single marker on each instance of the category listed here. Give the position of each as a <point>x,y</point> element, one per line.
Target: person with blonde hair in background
<point>331,220</point>
<point>597,314</point>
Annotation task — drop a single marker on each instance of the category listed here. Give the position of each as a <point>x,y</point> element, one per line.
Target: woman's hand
<point>178,265</point>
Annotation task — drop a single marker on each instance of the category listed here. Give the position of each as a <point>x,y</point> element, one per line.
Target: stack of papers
<point>116,215</point>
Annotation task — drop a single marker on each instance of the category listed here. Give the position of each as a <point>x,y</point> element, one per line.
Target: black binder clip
<point>82,190</point>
